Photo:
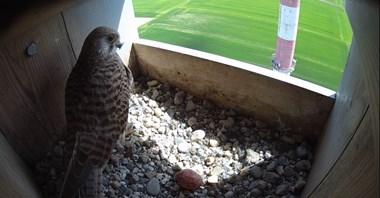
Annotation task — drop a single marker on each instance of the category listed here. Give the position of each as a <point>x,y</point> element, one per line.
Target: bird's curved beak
<point>119,44</point>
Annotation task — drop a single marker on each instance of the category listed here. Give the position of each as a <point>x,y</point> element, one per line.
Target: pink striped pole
<point>282,60</point>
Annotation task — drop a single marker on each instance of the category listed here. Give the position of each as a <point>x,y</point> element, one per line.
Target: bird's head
<point>103,40</point>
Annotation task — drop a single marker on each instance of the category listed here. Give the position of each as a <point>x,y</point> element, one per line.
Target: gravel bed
<point>169,130</point>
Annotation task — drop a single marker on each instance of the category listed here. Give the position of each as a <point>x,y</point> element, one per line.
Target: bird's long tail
<point>93,186</point>
<point>76,175</point>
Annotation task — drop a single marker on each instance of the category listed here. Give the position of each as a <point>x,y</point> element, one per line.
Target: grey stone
<point>192,121</point>
<point>234,179</point>
<point>190,106</point>
<point>178,98</point>
<point>153,187</point>
<point>261,184</point>
<point>229,122</point>
<point>283,160</point>
<point>282,190</point>
<point>256,192</point>
<point>229,194</point>
<point>144,158</point>
<point>272,166</point>
<point>208,104</point>
<point>155,94</point>
<point>271,177</point>
<point>176,167</point>
<point>115,185</point>
<point>260,124</point>
<point>151,174</point>
<point>256,172</point>
<point>303,165</point>
<point>302,152</point>
<point>300,183</point>
<point>106,181</point>
<point>123,190</point>
<point>280,170</point>
<point>288,171</point>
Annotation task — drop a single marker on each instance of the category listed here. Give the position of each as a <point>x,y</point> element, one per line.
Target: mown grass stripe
<point>246,30</point>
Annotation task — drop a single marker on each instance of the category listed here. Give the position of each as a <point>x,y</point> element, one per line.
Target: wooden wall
<point>19,16</point>
<point>32,87</point>
<point>347,160</point>
<point>15,178</point>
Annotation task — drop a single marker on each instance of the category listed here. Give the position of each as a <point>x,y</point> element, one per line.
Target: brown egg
<point>189,179</point>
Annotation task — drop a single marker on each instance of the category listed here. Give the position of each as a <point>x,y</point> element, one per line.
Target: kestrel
<point>96,106</point>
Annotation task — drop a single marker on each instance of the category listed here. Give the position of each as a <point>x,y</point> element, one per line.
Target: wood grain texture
<point>354,175</point>
<point>32,89</point>
<point>271,100</point>
<point>366,30</point>
<point>15,178</point>
<point>359,91</point>
<point>24,15</point>
<point>83,18</point>
<point>349,108</point>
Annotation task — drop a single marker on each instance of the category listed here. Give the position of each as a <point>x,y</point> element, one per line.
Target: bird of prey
<point>96,107</point>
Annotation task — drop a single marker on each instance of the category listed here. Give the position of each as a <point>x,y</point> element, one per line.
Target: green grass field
<point>246,30</point>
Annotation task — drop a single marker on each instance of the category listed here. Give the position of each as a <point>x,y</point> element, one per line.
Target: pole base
<point>276,66</point>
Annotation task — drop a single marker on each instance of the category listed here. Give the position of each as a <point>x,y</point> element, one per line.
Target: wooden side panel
<point>15,178</point>
<point>354,175</point>
<point>347,161</point>
<point>271,100</point>
<point>24,15</point>
<point>86,16</point>
<point>364,17</point>
<point>32,89</point>
<point>350,106</point>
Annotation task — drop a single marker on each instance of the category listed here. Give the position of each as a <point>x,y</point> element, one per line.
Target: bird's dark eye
<point>110,38</point>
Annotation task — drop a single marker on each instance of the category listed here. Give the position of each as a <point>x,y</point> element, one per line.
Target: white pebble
<point>161,130</point>
<point>152,103</point>
<point>210,161</point>
<point>214,142</point>
<point>148,123</point>
<point>158,112</point>
<point>172,159</point>
<point>184,147</point>
<point>213,179</point>
<point>198,135</point>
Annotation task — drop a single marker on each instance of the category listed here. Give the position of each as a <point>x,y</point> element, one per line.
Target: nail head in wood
<point>31,50</point>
